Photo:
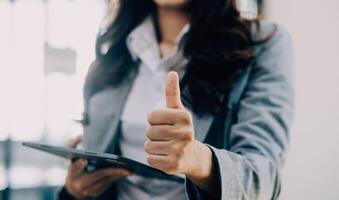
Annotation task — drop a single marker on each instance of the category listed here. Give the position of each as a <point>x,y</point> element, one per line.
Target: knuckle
<point>147,146</point>
<point>173,165</point>
<point>184,116</point>
<point>187,135</point>
<point>79,187</point>
<point>151,116</point>
<point>150,160</point>
<point>148,131</point>
<point>168,169</point>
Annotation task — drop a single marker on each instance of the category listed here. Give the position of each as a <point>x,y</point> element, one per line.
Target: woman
<point>225,126</point>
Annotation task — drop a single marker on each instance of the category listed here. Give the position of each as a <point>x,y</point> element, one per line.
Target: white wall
<point>312,168</point>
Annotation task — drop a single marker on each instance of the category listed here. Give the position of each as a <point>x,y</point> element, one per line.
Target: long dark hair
<point>219,46</point>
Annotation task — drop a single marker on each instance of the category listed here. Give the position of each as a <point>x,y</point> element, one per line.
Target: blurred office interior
<point>46,47</point>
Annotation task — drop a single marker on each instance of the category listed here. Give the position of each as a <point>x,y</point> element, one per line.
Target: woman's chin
<point>173,4</point>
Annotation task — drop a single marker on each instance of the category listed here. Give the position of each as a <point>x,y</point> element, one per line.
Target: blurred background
<point>46,47</point>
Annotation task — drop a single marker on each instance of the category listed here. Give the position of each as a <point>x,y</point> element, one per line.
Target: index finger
<point>169,116</point>
<point>77,168</point>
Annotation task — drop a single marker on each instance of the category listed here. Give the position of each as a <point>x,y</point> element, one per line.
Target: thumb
<point>73,143</point>
<point>172,91</point>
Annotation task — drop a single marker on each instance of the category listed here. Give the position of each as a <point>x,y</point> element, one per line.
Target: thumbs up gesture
<point>171,146</point>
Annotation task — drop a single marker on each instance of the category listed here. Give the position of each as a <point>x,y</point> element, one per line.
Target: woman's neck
<point>170,24</point>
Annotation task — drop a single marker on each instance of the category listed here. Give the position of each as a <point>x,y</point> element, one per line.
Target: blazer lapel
<point>120,96</point>
<point>202,124</point>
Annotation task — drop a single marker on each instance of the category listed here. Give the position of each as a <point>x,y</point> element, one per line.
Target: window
<point>46,49</point>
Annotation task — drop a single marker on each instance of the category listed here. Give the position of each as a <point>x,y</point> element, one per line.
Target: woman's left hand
<point>171,145</point>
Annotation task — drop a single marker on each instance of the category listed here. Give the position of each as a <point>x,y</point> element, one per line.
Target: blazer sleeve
<point>250,168</point>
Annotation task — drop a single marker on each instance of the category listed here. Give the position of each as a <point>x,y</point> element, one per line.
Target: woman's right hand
<point>84,185</point>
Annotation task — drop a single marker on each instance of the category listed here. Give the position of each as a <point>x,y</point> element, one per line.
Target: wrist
<point>204,176</point>
<point>202,168</point>
<point>64,194</point>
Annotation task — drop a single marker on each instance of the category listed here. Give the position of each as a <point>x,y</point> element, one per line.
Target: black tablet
<point>98,160</point>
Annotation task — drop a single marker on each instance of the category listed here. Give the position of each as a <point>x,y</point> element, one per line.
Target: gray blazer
<point>249,142</point>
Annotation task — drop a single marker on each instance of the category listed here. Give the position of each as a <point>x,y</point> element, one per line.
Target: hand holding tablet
<point>82,185</point>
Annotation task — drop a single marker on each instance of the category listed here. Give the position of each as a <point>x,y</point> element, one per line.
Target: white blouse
<point>147,94</point>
